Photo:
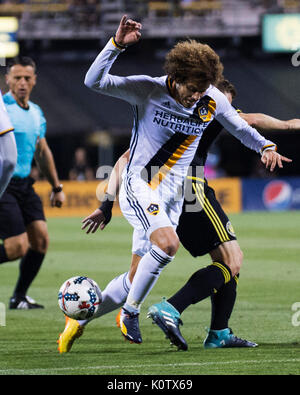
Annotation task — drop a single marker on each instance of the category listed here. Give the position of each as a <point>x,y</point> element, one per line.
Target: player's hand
<point>128,31</point>
<point>271,159</point>
<point>57,199</point>
<point>94,221</point>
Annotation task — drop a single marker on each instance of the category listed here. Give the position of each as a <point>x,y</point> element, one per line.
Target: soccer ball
<point>79,297</point>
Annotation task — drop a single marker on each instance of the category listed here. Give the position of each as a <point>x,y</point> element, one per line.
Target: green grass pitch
<point>268,288</point>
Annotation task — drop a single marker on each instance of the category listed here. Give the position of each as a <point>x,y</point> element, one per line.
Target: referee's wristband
<point>57,189</point>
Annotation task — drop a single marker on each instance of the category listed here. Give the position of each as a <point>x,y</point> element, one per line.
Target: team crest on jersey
<point>230,229</point>
<point>205,109</point>
<point>153,209</point>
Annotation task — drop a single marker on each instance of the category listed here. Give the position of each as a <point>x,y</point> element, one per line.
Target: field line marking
<point>44,370</point>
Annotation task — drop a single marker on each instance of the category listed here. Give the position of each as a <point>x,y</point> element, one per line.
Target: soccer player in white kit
<point>170,115</point>
<point>8,148</point>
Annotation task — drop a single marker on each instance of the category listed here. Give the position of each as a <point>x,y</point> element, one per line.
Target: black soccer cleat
<point>23,303</point>
<point>129,324</point>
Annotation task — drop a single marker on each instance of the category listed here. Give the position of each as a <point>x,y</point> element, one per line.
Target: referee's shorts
<point>19,206</point>
<point>203,225</point>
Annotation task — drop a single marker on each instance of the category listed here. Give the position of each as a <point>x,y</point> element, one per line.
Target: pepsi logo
<point>277,195</point>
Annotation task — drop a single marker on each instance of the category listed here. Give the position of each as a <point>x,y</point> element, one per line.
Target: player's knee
<point>19,250</point>
<point>40,243</point>
<point>169,245</point>
<point>234,261</point>
<point>166,239</point>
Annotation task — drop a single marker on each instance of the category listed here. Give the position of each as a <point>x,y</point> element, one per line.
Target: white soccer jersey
<point>165,134</point>
<point>5,124</point>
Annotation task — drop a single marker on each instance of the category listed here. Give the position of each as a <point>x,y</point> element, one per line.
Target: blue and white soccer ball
<point>79,297</point>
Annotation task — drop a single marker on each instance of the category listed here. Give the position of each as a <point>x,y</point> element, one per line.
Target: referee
<point>23,227</point>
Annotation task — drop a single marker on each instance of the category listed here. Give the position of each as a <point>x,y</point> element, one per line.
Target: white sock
<point>113,296</point>
<point>147,274</point>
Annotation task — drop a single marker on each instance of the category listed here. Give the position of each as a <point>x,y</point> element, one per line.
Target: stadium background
<point>64,37</point>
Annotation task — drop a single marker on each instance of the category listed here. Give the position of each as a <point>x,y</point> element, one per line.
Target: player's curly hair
<point>226,86</point>
<point>191,60</point>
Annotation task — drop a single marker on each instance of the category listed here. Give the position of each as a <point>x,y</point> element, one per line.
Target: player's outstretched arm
<point>128,32</point>
<point>271,159</point>
<point>266,123</point>
<point>102,215</point>
<point>133,89</point>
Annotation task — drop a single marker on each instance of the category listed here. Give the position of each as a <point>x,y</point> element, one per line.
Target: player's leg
<point>164,246</point>
<point>38,239</point>
<point>206,229</point>
<point>223,300</point>
<point>8,159</point>
<point>115,293</point>
<point>227,257</point>
<point>200,285</point>
<point>147,213</point>
<point>13,248</point>
<point>31,262</point>
<point>113,297</point>
<point>200,231</point>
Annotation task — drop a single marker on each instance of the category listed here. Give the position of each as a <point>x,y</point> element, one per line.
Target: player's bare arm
<point>98,218</point>
<point>263,122</point>
<point>266,123</point>
<point>128,32</point>
<point>45,162</point>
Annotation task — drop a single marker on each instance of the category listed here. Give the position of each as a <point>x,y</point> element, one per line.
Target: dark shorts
<point>19,206</point>
<point>205,227</point>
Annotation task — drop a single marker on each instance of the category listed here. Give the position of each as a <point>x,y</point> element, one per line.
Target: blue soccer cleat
<point>168,319</point>
<point>129,324</point>
<point>225,338</point>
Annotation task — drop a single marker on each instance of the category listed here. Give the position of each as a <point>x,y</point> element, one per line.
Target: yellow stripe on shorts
<point>210,212</point>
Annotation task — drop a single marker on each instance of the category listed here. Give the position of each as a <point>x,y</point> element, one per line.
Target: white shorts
<point>146,211</point>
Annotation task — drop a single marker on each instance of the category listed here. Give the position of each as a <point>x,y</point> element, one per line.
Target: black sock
<point>3,255</point>
<point>201,285</point>
<point>29,267</point>
<point>222,304</point>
